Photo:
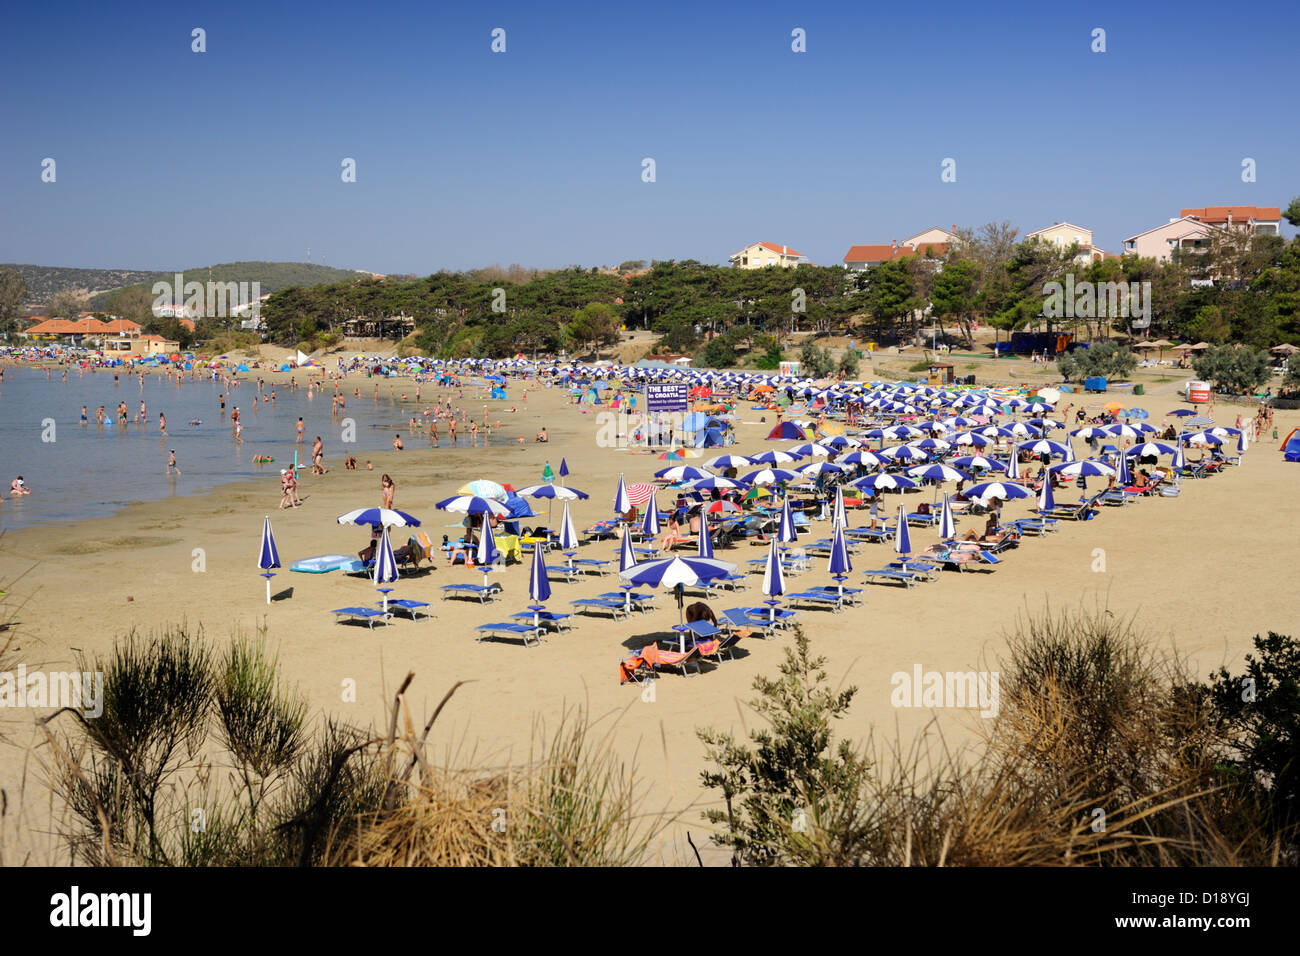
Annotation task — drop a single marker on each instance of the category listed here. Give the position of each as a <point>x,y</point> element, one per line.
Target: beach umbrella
<point>979,461</point>
<point>839,564</point>
<point>769,476</point>
<point>819,468</point>
<point>937,473</point>
<point>626,555</point>
<point>810,450</point>
<point>723,506</point>
<point>1149,449</point>
<point>1046,500</point>
<point>839,517</point>
<point>785,530</point>
<point>903,538</point>
<point>1087,468</point>
<point>773,579</point>
<point>568,533</point>
<point>706,542</point>
<point>885,482</point>
<point>676,572</point>
<point>1013,466</point>
<point>484,489</point>
<point>682,473</point>
<point>902,453</point>
<point>1121,430</point>
<point>650,524</point>
<point>1179,461</point>
<point>947,525</point>
<point>486,554</point>
<point>1091,431</point>
<point>723,462</point>
<point>539,585</point>
<point>387,517</point>
<point>548,474</point>
<point>639,492</point>
<point>269,557</point>
<point>773,458</point>
<point>385,567</point>
<point>1181,413</point>
<point>1044,446</point>
<point>1202,438</point>
<point>1123,478</point>
<point>553,492</point>
<point>709,484</point>
<point>473,505</point>
<point>564,470</point>
<point>622,505</point>
<point>996,489</point>
<point>864,458</point>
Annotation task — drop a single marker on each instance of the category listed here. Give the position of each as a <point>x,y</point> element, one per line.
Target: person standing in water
<point>171,463</point>
<point>162,424</point>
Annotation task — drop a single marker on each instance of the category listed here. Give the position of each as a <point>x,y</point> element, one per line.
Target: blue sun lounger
<point>615,608</point>
<point>704,631</point>
<point>886,574</point>
<point>783,617</point>
<point>600,565</point>
<point>483,593</point>
<point>550,619</point>
<point>815,598</point>
<point>413,608</point>
<point>570,574</point>
<point>736,618</point>
<point>638,600</point>
<point>531,636</point>
<point>847,595</point>
<point>368,615</point>
<point>871,534</point>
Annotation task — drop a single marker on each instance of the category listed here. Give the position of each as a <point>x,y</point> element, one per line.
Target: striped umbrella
<point>387,517</point>
<point>769,476</point>
<point>626,556</point>
<point>621,503</point>
<point>819,468</point>
<point>865,458</point>
<point>539,585</point>
<point>1088,468</point>
<point>839,517</point>
<point>1044,446</point>
<point>1124,478</point>
<point>773,579</point>
<point>706,542</point>
<point>708,484</point>
<point>554,491</point>
<point>937,473</point>
<point>1013,466</point>
<point>996,489</point>
<point>773,457</point>
<point>650,523</point>
<point>486,554</point>
<point>1150,449</point>
<point>682,473</point>
<point>979,461</point>
<point>385,566</point>
<point>903,539</point>
<point>885,482</point>
<point>723,462</point>
<point>1179,461</point>
<point>568,533</point>
<point>947,526</point>
<point>473,505</point>
<point>640,492</point>
<point>1046,500</point>
<point>839,563</point>
<point>675,571</point>
<point>785,530</point>
<point>269,557</point>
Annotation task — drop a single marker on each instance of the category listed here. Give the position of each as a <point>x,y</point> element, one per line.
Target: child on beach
<point>171,463</point>
<point>388,488</point>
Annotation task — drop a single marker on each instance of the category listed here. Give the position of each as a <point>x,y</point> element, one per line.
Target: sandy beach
<point>1204,572</point>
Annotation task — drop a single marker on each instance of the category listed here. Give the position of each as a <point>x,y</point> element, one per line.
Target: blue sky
<point>168,158</point>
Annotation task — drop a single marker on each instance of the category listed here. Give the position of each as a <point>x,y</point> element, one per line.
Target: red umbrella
<point>721,506</point>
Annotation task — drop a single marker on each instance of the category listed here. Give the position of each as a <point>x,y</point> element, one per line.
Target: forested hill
<point>44,282</point>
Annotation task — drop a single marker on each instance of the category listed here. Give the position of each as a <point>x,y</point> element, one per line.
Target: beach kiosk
<point>940,373</point>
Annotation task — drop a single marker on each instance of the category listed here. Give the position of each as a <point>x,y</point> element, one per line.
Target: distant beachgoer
<point>299,428</point>
<point>286,494</point>
<point>171,463</point>
<point>162,423</point>
<point>350,463</point>
<point>397,443</point>
<point>83,415</point>
<point>388,488</point>
<point>542,436</point>
<point>19,487</point>
<point>370,466</point>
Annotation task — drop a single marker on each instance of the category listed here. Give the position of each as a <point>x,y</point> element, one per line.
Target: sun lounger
<point>846,595</point>
<point>615,608</point>
<point>639,600</point>
<point>816,598</point>
<point>782,617</point>
<point>737,619</point>
<point>645,665</point>
<point>557,620</point>
<point>601,566</point>
<point>412,608</point>
<point>923,570</point>
<point>483,593</point>
<point>1075,512</point>
<point>570,574</point>
<point>871,534</point>
<point>923,519</point>
<point>711,640</point>
<point>1034,525</point>
<point>531,636</point>
<point>885,575</point>
<point>368,615</point>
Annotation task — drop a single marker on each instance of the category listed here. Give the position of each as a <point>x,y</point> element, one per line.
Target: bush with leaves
<point>816,362</point>
<point>850,363</point>
<point>1108,359</point>
<point>793,796</point>
<point>1234,369</point>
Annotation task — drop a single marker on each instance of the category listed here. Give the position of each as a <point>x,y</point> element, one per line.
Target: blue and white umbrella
<point>485,555</point>
<point>473,505</point>
<point>1090,432</point>
<point>553,492</point>
<point>706,542</point>
<point>568,533</point>
<point>1087,467</point>
<point>947,525</point>
<point>709,484</point>
<point>1044,446</point>
<point>819,468</point>
<point>626,555</point>
<point>773,579</point>
<point>1122,430</point>
<point>539,585</point>
<point>839,563</point>
<point>670,572</point>
<point>769,476</point>
<point>1013,466</point>
<point>785,530</point>
<point>387,517</point>
<point>1179,461</point>
<point>810,450</point>
<point>1046,500</point>
<point>864,458</point>
<point>269,557</point>
<point>979,461</point>
<point>723,462</point>
<point>885,482</point>
<point>839,516</point>
<point>989,490</point>
<point>650,523</point>
<point>773,457</point>
<point>682,473</point>
<point>1151,449</point>
<point>385,566</point>
<point>903,538</point>
<point>622,505</point>
<point>1123,478</point>
<point>937,473</point>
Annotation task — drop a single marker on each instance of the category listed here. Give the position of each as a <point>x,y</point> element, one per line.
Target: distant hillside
<point>273,276</point>
<point>44,282</point>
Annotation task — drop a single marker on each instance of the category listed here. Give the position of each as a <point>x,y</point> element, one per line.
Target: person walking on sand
<point>286,496</point>
<point>171,463</point>
<point>389,489</point>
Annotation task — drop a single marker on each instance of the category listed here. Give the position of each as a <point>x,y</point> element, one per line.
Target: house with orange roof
<point>1261,220</point>
<point>82,329</point>
<point>931,244</point>
<point>760,255</point>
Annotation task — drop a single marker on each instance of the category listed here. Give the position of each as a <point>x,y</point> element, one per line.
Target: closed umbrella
<point>650,524</point>
<point>903,539</point>
<point>1046,500</point>
<point>539,585</point>
<point>839,516</point>
<point>785,530</point>
<point>621,503</point>
<point>269,557</point>
<point>947,526</point>
<point>568,541</point>
<point>485,555</point>
<point>706,541</point>
<point>773,580</point>
<point>385,567</point>
<point>839,564</point>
